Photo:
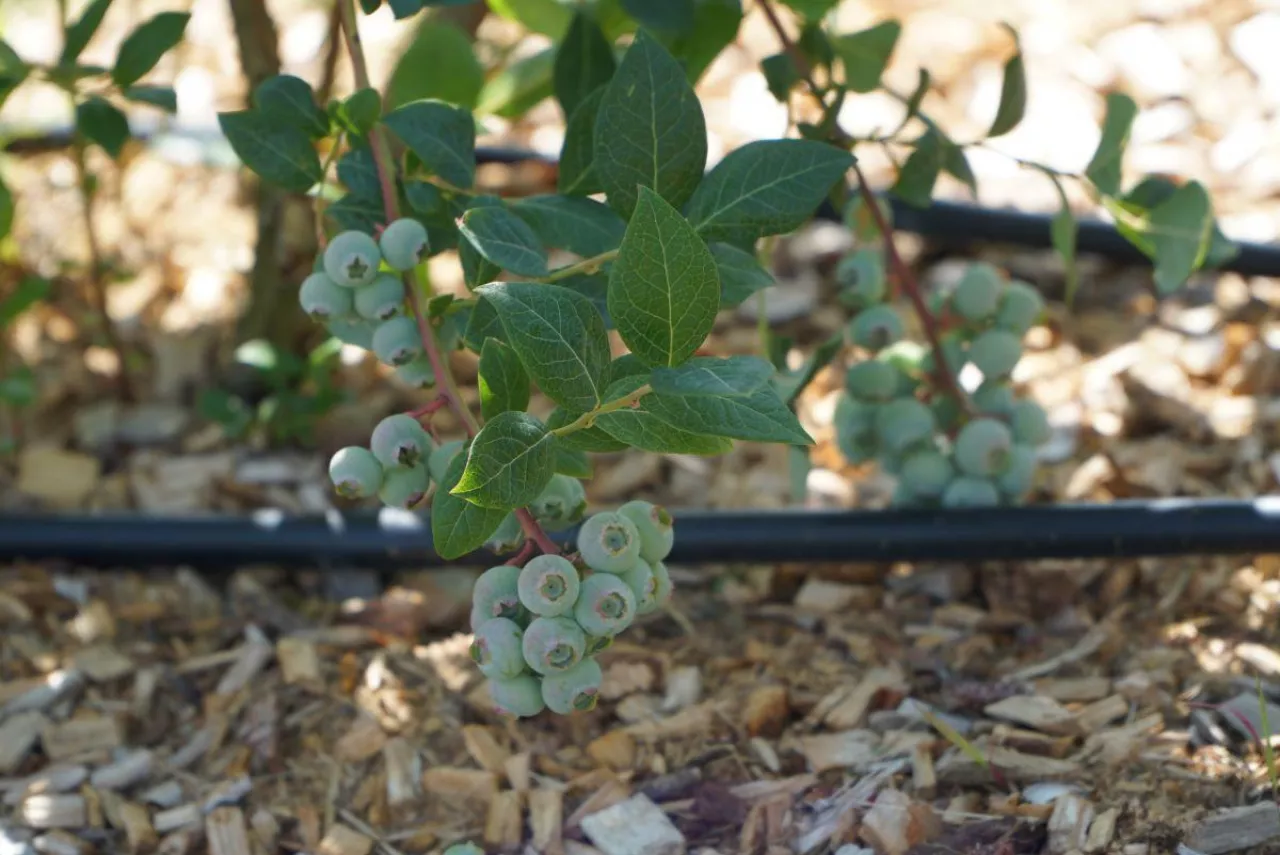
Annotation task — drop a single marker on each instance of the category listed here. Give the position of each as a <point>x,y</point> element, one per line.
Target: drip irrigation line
<point>1121,530</point>
<point>941,220</point>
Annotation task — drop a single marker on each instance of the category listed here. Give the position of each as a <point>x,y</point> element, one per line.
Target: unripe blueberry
<point>1016,481</point>
<point>418,373</point>
<point>663,587</point>
<point>549,585</point>
<point>606,605</point>
<point>355,473</point>
<point>352,259</point>
<point>970,492</point>
<point>907,356</point>
<point>953,354</point>
<point>519,697</point>
<point>644,585</point>
<point>872,381</point>
<point>1020,307</point>
<point>656,527</point>
<point>995,353</point>
<point>609,543</point>
<point>507,537</point>
<point>354,331</point>
<point>404,243</point>
<point>978,293</point>
<point>404,486</point>
<point>855,428</point>
<point>876,328</point>
<point>497,593</point>
<point>439,460</point>
<point>926,472</point>
<point>946,412</point>
<point>381,299</point>
<point>560,504</point>
<point>396,341</point>
<point>467,848</point>
<point>1030,424</point>
<point>902,423</point>
<point>323,299</point>
<point>553,644</point>
<point>575,690</point>
<point>498,649</point>
<point>860,276</point>
<point>400,440</point>
<point>982,448</point>
<point>994,399</point>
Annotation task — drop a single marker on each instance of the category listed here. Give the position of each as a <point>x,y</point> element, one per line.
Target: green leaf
<point>482,323</point>
<point>733,376</point>
<point>792,383</point>
<point>741,274</point>
<point>811,10</point>
<point>282,154</point>
<point>102,123</point>
<point>1063,232</point>
<point>156,96</point>
<point>359,112</point>
<point>640,428</point>
<point>761,416</point>
<point>402,9</point>
<point>559,337</point>
<point>571,462</point>
<point>504,239</point>
<point>457,526</point>
<point>781,75</point>
<point>650,130</point>
<point>417,75</point>
<point>142,49</point>
<point>764,188</point>
<point>1104,168</point>
<point>580,225</point>
<point>12,71</point>
<point>519,87</point>
<point>1013,92</point>
<point>664,291</point>
<point>1179,229</point>
<point>441,135</point>
<point>476,269</point>
<point>358,171</point>
<point>509,463</point>
<point>584,62</point>
<point>549,17</point>
<point>18,389</point>
<point>6,209</point>
<point>673,16</point>
<point>290,101</point>
<point>577,174</point>
<point>29,291</point>
<point>919,173</point>
<point>1155,189</point>
<point>956,164</point>
<point>595,287</point>
<point>715,27</point>
<point>504,384</point>
<point>866,53</point>
<point>79,33</point>
<point>357,211</point>
<point>590,440</point>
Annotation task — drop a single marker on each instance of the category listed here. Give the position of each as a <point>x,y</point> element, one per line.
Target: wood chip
<point>957,768</point>
<point>340,840</point>
<point>130,769</point>
<point>404,771</point>
<point>102,663</point>
<point>1101,713</point>
<point>483,748</point>
<point>851,710</point>
<point>1235,829</point>
<point>254,655</point>
<point>615,750</point>
<point>766,711</point>
<point>81,736</point>
<point>362,740</point>
<point>182,816</point>
<point>225,830</point>
<point>924,779</point>
<point>474,786</point>
<point>823,597</point>
<point>18,735</point>
<point>634,827</point>
<point>1101,831</point>
<point>895,823</point>
<point>851,749</point>
<point>43,693</point>
<point>134,819</point>
<point>519,771</point>
<point>299,662</point>
<point>59,842</point>
<point>1074,689</point>
<point>54,811</point>
<point>52,779</point>
<point>546,816</point>
<point>1068,825</point>
<point>1034,711</point>
<point>166,795</point>
<point>503,826</point>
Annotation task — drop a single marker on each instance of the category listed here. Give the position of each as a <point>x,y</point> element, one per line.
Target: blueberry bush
<point>662,246</point>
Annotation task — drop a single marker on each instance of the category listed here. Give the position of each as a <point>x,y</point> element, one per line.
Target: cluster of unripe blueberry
<point>352,294</point>
<point>538,627</point>
<point>896,411</point>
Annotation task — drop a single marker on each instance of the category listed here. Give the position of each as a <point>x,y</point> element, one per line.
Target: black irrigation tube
<point>1125,529</point>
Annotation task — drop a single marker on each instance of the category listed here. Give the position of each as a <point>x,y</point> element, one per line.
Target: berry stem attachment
<point>432,406</point>
<point>535,533</point>
<point>587,265</point>
<point>525,553</point>
<point>585,420</point>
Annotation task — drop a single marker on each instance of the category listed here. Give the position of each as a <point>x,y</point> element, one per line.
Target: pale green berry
<point>926,472</point>
<point>519,697</point>
<point>352,259</point>
<point>553,644</point>
<point>1030,424</point>
<point>418,373</point>
<point>606,605</point>
<point>324,299</point>
<point>381,299</point>
<point>995,353</point>
<point>404,244</point>
<point>978,292</point>
<point>873,381</point>
<point>404,486</point>
<point>355,473</point>
<point>353,331</point>
<point>970,492</point>
<point>1020,307</point>
<point>876,328</point>
<point>467,848</point>
<point>507,537</point>
<point>609,543</point>
<point>906,356</point>
<point>560,504</point>
<point>498,649</point>
<point>855,429</point>
<point>663,587</point>
<point>860,276</point>
<point>644,585</point>
<point>982,448</point>
<point>903,496</point>
<point>440,459</point>
<point>549,585</point>
<point>946,412</point>
<point>994,399</point>
<point>496,593</point>
<point>1016,481</point>
<point>575,690</point>
<point>396,341</point>
<point>953,355</point>
<point>656,527</point>
<point>902,423</point>
<point>400,440</point>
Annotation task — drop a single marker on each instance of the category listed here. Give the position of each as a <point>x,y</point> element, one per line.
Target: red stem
<point>535,533</point>
<point>525,553</point>
<point>428,408</point>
